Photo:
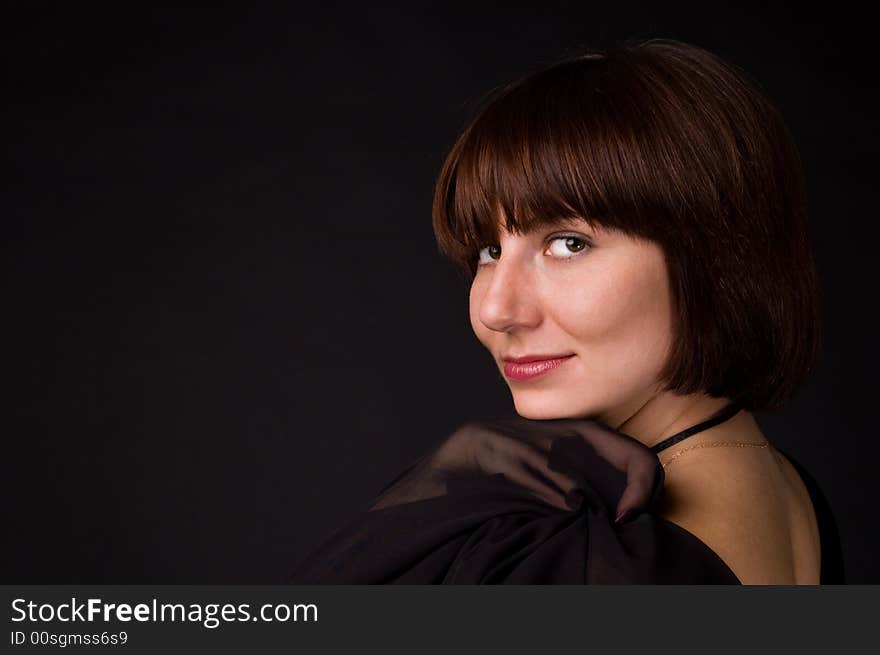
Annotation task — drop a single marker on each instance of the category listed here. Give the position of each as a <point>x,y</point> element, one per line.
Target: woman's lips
<point>533,369</point>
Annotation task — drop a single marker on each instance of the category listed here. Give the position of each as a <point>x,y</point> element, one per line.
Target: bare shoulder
<point>735,500</point>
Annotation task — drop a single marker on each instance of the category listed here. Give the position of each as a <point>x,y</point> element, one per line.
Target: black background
<point>228,321</point>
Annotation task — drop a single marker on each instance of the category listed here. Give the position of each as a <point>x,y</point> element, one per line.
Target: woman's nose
<point>509,298</point>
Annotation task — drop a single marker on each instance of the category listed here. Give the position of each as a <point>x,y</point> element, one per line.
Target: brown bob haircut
<point>667,142</point>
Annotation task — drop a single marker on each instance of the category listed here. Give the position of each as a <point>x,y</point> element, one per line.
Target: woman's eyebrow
<point>577,223</point>
<point>562,222</point>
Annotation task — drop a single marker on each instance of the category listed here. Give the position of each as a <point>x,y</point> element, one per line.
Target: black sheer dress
<point>449,519</point>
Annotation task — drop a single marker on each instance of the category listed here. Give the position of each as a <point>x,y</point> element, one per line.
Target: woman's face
<point>601,296</point>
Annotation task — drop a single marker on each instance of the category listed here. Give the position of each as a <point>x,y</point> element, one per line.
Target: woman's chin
<point>539,409</point>
<point>542,411</point>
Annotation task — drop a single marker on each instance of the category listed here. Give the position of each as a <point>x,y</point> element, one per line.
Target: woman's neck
<point>652,419</point>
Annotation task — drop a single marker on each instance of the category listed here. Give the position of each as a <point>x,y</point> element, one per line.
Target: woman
<point>634,230</point>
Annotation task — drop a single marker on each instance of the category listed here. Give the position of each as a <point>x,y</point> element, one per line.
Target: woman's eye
<point>492,252</point>
<point>566,247</point>
<point>561,247</point>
